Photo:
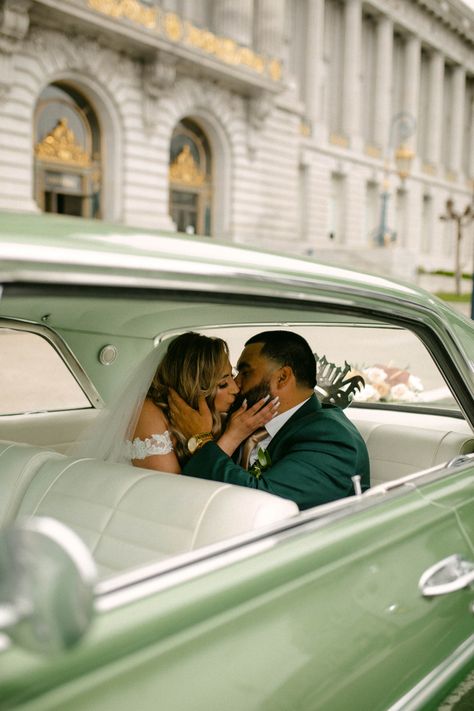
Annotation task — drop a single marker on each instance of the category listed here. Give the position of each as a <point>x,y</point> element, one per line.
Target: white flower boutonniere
<point>262,463</point>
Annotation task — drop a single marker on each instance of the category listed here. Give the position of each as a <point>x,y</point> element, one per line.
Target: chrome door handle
<point>446,576</point>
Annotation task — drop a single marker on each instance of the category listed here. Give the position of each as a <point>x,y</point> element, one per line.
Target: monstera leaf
<point>333,386</point>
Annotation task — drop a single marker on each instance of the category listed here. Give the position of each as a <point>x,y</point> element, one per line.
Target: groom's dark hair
<point>288,348</point>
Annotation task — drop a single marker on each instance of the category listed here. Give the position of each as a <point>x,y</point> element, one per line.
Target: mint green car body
<point>321,612</point>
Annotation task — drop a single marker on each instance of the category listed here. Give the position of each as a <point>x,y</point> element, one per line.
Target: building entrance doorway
<point>190,174</point>
<point>67,154</point>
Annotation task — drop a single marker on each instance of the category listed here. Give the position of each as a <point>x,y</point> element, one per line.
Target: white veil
<point>106,437</point>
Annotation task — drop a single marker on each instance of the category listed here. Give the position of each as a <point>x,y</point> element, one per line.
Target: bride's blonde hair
<point>193,366</point>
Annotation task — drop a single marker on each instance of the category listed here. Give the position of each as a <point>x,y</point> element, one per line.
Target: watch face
<point>192,444</point>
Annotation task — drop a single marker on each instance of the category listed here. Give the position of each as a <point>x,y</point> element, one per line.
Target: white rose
<point>401,393</point>
<point>375,375</point>
<point>367,394</point>
<point>414,383</point>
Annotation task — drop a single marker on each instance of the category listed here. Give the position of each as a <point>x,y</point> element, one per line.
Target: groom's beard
<point>252,396</point>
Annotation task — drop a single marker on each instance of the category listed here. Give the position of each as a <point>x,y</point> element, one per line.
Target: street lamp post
<point>461,219</point>
<point>402,126</point>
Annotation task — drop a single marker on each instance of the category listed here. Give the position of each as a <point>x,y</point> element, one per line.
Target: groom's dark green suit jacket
<point>313,457</point>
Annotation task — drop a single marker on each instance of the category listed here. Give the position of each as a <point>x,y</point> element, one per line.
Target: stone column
<point>352,64</point>
<point>383,83</point>
<point>469,164</point>
<point>457,120</point>
<point>196,12</point>
<point>269,27</point>
<point>234,19</point>
<point>412,82</point>
<point>314,59</point>
<point>434,128</point>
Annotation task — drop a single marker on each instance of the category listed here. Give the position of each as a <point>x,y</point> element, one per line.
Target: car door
<point>326,614</point>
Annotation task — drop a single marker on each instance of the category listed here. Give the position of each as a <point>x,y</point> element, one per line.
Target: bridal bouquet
<point>387,383</point>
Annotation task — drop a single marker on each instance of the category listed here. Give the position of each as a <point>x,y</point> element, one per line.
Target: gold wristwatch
<point>196,441</point>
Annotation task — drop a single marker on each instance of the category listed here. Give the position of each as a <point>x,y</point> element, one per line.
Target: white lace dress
<point>156,444</point>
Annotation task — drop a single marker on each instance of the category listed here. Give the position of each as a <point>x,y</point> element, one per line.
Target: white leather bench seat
<point>19,463</point>
<point>129,516</point>
<point>396,450</point>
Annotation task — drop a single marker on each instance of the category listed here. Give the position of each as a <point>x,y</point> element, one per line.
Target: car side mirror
<point>47,579</point>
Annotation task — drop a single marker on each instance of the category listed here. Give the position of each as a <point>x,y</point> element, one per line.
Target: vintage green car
<point>211,595</point>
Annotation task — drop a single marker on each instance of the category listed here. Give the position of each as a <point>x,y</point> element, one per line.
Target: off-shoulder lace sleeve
<point>156,444</point>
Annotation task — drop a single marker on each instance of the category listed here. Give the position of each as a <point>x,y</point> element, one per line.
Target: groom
<point>313,450</point>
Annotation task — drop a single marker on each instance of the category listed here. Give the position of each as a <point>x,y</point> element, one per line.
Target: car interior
<point>66,354</point>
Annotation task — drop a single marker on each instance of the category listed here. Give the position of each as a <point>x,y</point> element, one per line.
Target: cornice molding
<point>454,14</point>
<point>141,30</point>
<point>415,17</point>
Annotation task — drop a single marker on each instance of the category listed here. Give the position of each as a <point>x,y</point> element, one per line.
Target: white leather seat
<point>19,464</point>
<point>395,450</point>
<point>129,516</point>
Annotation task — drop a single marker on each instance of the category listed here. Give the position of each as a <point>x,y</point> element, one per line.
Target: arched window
<point>67,153</point>
<point>190,176</point>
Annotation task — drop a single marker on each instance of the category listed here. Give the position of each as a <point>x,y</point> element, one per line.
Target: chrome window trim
<point>432,683</point>
<point>64,352</point>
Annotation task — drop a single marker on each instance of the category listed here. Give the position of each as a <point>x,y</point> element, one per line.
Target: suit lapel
<point>310,406</point>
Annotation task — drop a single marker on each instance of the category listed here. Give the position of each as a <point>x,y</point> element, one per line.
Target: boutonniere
<point>262,463</point>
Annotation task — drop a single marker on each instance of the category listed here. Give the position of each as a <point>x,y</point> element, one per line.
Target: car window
<point>396,367</point>
<point>33,376</point>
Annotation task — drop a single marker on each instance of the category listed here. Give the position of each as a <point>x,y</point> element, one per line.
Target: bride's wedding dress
<point>143,448</point>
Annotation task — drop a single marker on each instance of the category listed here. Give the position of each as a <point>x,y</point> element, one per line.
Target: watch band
<point>198,440</point>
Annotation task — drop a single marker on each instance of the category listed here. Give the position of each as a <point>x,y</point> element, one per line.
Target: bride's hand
<point>188,421</point>
<point>245,420</point>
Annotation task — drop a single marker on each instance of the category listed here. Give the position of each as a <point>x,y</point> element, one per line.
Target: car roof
<point>71,247</point>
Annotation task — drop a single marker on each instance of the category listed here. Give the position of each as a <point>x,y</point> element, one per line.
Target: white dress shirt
<point>273,427</point>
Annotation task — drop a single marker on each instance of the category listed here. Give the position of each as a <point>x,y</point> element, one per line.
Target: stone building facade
<point>268,122</point>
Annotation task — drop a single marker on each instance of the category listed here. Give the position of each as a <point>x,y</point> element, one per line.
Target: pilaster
<point>269,24</point>
<point>234,19</point>
<point>351,78</point>
<point>457,120</point>
<point>314,59</point>
<point>434,128</point>
<point>383,82</point>
<point>412,82</point>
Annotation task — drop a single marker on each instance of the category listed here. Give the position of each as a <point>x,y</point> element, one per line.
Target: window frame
<point>65,354</point>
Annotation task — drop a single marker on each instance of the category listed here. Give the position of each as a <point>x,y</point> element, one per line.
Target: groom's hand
<point>188,421</point>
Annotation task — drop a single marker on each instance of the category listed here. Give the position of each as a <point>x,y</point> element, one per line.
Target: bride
<point>197,367</point>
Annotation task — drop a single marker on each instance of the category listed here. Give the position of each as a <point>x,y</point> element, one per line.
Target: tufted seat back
<point>129,516</point>
<point>397,450</point>
<point>19,463</point>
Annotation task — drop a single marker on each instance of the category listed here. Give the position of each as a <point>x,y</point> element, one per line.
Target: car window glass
<point>33,377</point>
<point>396,367</point>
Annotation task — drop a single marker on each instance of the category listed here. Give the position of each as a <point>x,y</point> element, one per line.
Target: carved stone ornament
<point>159,76</point>
<point>184,169</point>
<point>60,146</point>
<point>332,387</point>
<point>14,24</point>
<point>258,109</point>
